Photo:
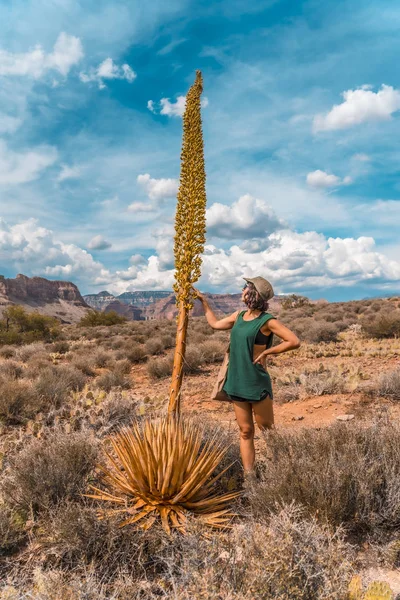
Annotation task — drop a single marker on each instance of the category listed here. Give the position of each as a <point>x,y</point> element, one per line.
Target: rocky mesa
<point>60,299</point>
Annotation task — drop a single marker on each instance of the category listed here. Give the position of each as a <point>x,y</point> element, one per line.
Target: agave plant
<point>164,469</point>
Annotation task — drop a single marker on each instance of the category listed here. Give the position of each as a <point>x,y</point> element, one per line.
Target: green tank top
<point>245,379</point>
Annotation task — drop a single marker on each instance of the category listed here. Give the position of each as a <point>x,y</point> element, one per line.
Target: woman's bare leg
<point>244,418</point>
<point>264,413</point>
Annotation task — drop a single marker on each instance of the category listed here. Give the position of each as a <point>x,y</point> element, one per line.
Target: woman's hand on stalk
<point>198,294</point>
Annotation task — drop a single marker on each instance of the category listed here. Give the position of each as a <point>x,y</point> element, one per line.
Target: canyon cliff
<point>60,299</point>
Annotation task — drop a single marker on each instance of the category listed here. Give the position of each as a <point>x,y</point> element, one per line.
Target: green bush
<point>94,318</point>
<point>20,327</point>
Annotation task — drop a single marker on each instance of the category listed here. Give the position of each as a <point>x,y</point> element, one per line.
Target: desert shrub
<point>383,325</point>
<point>36,365</point>
<point>389,384</point>
<point>94,318</point>
<point>84,364</point>
<point>212,351</point>
<point>49,470</point>
<point>292,558</point>
<point>25,353</point>
<point>160,367</point>
<point>102,359</point>
<point>295,557</point>
<point>193,360</point>
<point>346,473</point>
<point>123,366</point>
<point>153,346</point>
<point>117,343</point>
<point>294,301</point>
<point>61,347</point>
<point>320,332</point>
<point>113,379</point>
<point>117,410</point>
<point>7,352</point>
<point>168,341</point>
<point>17,401</point>
<point>135,353</point>
<point>196,337</point>
<point>55,383</point>
<point>139,338</point>
<point>12,532</point>
<point>288,392</point>
<point>81,538</point>
<point>11,370</point>
<point>322,382</point>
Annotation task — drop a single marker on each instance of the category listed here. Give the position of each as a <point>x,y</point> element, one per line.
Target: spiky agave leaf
<point>165,469</point>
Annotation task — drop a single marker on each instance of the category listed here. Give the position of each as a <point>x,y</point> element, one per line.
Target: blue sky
<point>301,116</point>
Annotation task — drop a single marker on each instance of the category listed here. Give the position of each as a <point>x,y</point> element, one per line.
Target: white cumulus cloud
<point>9,124</point>
<point>321,179</point>
<point>32,249</point>
<point>68,172</point>
<point>157,189</point>
<point>66,53</point>
<point>108,70</point>
<point>171,109</point>
<point>247,217</point>
<point>360,106</point>
<point>98,243</point>
<point>20,167</point>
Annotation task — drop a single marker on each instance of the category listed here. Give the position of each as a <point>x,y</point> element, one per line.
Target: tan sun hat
<point>263,287</point>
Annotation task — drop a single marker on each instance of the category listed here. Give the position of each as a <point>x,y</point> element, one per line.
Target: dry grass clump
<point>115,377</point>
<point>212,351</point>
<point>345,473</point>
<point>60,347</point>
<point>12,532</point>
<point>193,360</point>
<point>382,325</point>
<point>135,353</point>
<point>116,411</point>
<point>168,341</point>
<point>18,401</point>
<point>161,367</point>
<point>36,364</point>
<point>153,346</point>
<point>291,558</point>
<point>298,558</point>
<point>123,366</point>
<point>86,364</point>
<point>321,331</point>
<point>11,370</point>
<point>7,351</point>
<point>55,383</point>
<point>25,353</point>
<point>158,368</point>
<point>49,470</point>
<point>389,385</point>
<point>320,382</point>
<point>102,359</point>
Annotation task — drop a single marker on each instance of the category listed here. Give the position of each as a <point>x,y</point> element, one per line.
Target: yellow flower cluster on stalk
<point>190,220</point>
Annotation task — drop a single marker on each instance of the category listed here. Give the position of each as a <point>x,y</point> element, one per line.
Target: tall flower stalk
<point>190,229</point>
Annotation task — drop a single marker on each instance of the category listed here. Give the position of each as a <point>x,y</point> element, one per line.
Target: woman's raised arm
<point>225,323</point>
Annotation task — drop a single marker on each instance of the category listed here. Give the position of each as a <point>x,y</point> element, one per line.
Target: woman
<point>248,384</point>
